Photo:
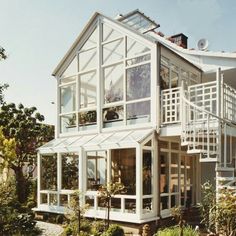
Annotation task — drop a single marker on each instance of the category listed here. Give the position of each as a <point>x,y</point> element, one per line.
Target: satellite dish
<point>202,44</point>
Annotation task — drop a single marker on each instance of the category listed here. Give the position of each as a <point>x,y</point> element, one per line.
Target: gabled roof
<point>90,22</point>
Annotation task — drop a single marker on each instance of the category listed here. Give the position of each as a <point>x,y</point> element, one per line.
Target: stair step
<point>225,178</point>
<point>208,159</point>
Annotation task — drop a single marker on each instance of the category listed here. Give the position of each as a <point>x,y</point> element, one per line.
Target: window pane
<point>87,118</point>
<point>91,41</point>
<point>113,116</point>
<point>137,60</point>
<point>113,51</point>
<point>68,98</point>
<point>48,172</point>
<point>68,79</point>
<point>124,168</point>
<point>109,33</point>
<point>53,199</point>
<point>72,69</point>
<point>147,172</point>
<point>138,112</point>
<point>63,200</point>
<point>164,181</point>
<point>96,170</point>
<point>135,48</point>
<point>165,77</point>
<point>68,123</point>
<point>138,82</point>
<point>69,172</point>
<point>113,83</point>
<point>174,79</point>
<point>164,204</point>
<point>87,59</point>
<point>174,184</point>
<point>88,90</point>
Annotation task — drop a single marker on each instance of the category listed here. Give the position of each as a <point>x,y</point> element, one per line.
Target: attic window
<point>139,21</point>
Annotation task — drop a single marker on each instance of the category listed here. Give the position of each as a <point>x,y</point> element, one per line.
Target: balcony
<point>205,115</point>
<point>202,101</point>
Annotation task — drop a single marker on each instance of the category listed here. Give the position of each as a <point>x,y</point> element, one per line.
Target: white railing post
<point>218,110</point>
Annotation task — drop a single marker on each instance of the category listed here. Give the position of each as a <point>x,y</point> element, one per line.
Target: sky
<point>37,33</point>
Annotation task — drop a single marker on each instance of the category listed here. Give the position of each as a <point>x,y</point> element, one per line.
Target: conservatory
<point>136,108</point>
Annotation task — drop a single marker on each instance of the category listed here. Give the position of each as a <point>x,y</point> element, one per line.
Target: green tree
<point>106,192</point>
<point>7,155</point>
<point>24,125</point>
<point>3,54</point>
<point>2,88</point>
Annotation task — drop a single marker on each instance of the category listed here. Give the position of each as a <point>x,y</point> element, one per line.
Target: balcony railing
<point>202,95</point>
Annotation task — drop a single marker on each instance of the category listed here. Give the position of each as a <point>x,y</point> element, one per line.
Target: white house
<point>137,108</point>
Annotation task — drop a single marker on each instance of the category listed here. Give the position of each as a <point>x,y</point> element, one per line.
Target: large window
<point>48,172</point>
<point>96,169</point>
<point>69,171</point>
<point>176,176</point>
<point>127,80</point>
<point>172,75</point>
<point>123,168</point>
<point>121,69</point>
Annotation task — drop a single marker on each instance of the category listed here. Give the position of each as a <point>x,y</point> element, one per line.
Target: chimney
<point>180,40</point>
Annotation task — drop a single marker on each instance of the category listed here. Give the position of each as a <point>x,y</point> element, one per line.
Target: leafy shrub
<point>98,227</point>
<point>175,231</point>
<point>12,221</point>
<point>114,230</point>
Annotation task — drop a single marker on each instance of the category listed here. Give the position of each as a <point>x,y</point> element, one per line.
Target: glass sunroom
<point>88,161</point>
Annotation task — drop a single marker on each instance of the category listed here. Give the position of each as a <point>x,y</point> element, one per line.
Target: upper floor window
<point>117,64</point>
<point>172,75</point>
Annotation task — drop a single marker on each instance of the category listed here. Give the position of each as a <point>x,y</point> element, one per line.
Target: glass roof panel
<point>139,21</point>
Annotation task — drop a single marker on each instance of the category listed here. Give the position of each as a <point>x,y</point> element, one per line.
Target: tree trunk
<point>21,185</point>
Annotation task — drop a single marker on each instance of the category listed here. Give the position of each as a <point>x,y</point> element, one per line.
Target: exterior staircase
<point>207,115</point>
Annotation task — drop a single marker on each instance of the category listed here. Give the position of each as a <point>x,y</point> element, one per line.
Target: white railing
<point>204,96</point>
<point>203,113</point>
<point>229,102</point>
<point>170,106</point>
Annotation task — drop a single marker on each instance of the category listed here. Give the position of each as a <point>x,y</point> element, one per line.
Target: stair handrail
<point>207,112</point>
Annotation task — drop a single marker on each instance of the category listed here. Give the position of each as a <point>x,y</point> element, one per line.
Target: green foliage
<point>106,192</point>
<point>2,88</point>
<point>12,221</point>
<point>175,231</point>
<point>208,206</point>
<point>23,124</point>
<point>77,224</point>
<point>98,227</point>
<point>3,54</point>
<point>226,212</point>
<point>114,230</point>
<point>7,154</point>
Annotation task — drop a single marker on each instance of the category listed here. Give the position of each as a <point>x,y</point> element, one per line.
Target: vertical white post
<point>155,172</point>
<point>82,170</point>
<point>109,166</point>
<point>58,102</point>
<point>139,189</point>
<point>218,110</point>
<point>159,111</point>
<point>38,179</point>
<point>100,78</point>
<point>154,88</point>
<point>225,145</point>
<point>59,177</point>
<point>218,113</point>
